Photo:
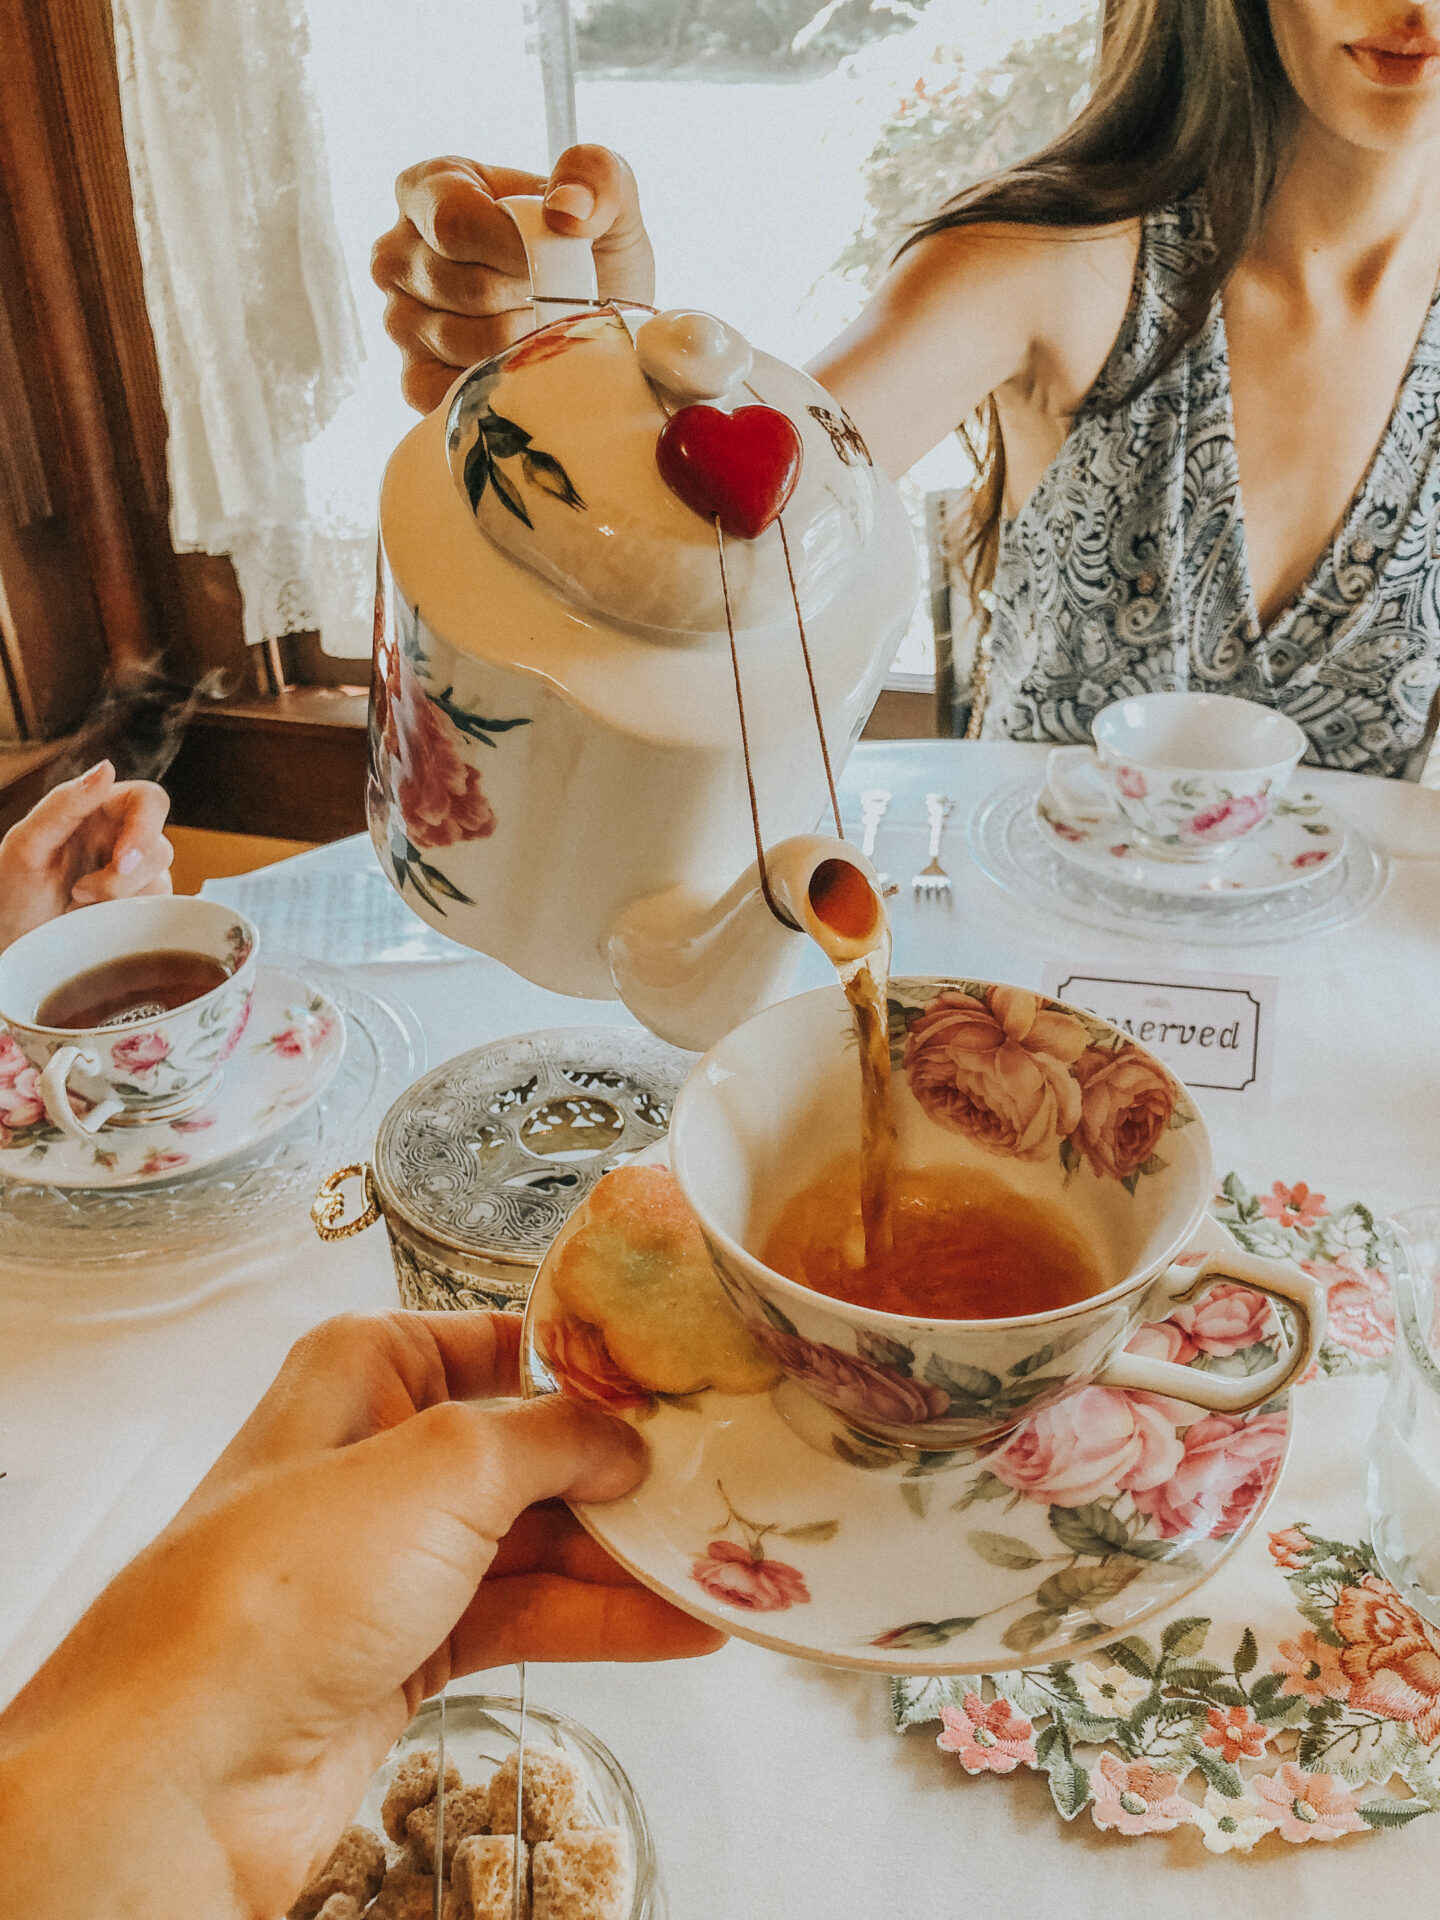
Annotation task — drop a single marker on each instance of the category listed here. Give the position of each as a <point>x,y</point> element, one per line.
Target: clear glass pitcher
<point>1403,1491</point>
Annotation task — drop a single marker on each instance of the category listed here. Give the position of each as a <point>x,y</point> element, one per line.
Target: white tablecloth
<point>774,1787</point>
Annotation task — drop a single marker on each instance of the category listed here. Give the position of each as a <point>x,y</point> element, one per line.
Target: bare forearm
<point>98,1821</point>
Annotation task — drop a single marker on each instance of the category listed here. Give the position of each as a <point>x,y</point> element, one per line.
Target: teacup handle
<point>1074,776</point>
<point>55,1092</point>
<point>1178,1286</point>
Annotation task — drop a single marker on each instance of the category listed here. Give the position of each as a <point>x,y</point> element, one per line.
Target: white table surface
<point>774,1787</point>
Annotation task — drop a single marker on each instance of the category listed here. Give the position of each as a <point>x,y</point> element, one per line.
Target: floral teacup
<point>159,1067</point>
<point>1065,1109</point>
<point>1191,773</point>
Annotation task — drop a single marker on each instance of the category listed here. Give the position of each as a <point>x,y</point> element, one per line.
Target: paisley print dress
<point>1125,572</point>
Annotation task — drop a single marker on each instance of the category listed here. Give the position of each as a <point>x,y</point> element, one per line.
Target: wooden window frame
<point>101,621</point>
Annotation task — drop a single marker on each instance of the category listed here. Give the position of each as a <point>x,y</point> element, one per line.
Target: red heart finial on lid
<point>738,468</point>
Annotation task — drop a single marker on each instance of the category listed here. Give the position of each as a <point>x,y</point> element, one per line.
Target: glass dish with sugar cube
<point>588,1852</point>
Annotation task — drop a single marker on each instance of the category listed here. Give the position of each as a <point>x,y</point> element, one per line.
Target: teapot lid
<point>553,445</point>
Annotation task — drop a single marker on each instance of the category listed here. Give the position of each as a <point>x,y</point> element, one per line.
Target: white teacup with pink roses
<point>158,1067</point>
<point>1190,773</point>
<point>1065,1109</point>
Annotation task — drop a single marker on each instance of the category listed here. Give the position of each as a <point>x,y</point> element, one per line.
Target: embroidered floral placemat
<point>1310,1710</point>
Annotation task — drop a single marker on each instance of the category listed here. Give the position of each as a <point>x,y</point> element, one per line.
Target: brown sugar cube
<point>407,1895</point>
<point>554,1798</point>
<point>413,1786</point>
<point>340,1906</point>
<point>582,1875</point>
<point>467,1811</point>
<point>355,1867</point>
<point>483,1877</point>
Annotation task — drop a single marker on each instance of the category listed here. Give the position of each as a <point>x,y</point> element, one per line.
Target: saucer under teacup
<point>873,1557</point>
<point>1302,840</point>
<point>283,1060</point>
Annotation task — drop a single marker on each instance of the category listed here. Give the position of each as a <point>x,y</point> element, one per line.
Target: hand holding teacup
<point>1191,774</point>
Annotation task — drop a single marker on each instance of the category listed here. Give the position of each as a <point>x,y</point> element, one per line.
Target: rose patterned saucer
<point>1302,839</point>
<point>285,1057</point>
<point>1093,1515</point>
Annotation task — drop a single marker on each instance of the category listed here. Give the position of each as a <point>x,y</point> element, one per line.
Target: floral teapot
<point>558,775</point>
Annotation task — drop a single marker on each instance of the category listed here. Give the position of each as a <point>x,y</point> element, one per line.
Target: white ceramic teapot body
<point>557,777</point>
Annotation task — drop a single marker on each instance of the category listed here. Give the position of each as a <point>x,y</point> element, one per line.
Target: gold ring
<point>327,1209</point>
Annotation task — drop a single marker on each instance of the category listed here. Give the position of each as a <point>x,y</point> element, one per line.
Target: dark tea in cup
<point>964,1246</point>
<point>136,986</point>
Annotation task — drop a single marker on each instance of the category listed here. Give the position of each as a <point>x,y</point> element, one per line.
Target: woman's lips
<point>1397,63</point>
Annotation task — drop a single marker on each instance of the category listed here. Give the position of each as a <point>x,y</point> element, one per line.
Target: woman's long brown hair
<point>1187,94</point>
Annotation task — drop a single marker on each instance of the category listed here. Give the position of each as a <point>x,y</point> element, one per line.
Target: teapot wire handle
<point>810,677</point>
<point>804,652</point>
<point>776,909</point>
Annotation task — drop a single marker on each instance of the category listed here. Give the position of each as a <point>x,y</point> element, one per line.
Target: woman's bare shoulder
<point>1064,290</point>
<point>1069,284</point>
<point>970,311</point>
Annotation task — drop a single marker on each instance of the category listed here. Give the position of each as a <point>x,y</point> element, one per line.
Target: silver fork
<point>873,803</point>
<point>934,879</point>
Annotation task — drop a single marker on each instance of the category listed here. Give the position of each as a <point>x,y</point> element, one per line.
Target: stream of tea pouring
<point>848,922</point>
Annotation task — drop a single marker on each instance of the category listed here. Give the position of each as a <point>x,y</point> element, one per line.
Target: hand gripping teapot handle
<point>562,271</point>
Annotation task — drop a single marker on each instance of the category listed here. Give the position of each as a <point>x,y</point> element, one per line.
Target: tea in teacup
<point>129,1010</point>
<point>964,1246</point>
<point>132,986</point>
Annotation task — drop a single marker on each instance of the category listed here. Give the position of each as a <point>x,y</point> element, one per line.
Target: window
<point>780,148</point>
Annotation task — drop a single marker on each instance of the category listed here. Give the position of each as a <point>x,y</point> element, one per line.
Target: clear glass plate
<point>1006,845</point>
<point>252,1196</point>
<point>481,1731</point>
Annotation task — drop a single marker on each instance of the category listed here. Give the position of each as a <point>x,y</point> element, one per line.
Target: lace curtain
<point>240,115</point>
<point>248,293</point>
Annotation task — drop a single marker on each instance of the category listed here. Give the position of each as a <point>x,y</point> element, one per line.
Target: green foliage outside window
<point>944,138</point>
<point>742,38</point>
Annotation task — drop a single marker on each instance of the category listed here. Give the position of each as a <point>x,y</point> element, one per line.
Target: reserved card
<point>1216,1030</point>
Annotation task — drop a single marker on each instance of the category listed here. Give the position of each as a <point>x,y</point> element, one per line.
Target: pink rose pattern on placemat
<point>1336,1732</point>
<point>1342,1248</point>
<point>1333,1731</point>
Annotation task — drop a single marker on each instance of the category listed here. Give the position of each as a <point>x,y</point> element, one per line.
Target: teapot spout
<point>690,969</point>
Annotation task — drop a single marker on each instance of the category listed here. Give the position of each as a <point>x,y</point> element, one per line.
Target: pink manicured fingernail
<point>97,773</point>
<point>577,201</point>
<point>128,862</point>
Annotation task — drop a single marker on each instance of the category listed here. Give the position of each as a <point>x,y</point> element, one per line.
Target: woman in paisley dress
<point>1195,342</point>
